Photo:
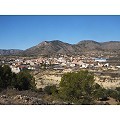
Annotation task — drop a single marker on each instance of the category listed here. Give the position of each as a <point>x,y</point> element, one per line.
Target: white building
<point>118,66</point>
<point>100,60</point>
<point>15,69</point>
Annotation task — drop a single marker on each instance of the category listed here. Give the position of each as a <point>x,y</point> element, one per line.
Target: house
<point>118,66</point>
<point>15,69</point>
<point>72,65</point>
<point>100,60</point>
<point>58,67</point>
<point>84,65</point>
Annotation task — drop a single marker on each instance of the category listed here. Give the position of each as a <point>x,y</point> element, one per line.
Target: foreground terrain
<point>28,97</point>
<point>14,97</point>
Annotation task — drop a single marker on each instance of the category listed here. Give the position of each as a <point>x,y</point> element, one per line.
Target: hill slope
<point>10,52</point>
<point>58,47</point>
<point>87,45</point>
<point>51,47</point>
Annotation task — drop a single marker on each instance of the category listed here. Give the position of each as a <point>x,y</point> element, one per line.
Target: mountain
<point>111,45</point>
<point>87,45</point>
<point>98,47</point>
<point>10,52</point>
<point>50,48</point>
<point>58,47</point>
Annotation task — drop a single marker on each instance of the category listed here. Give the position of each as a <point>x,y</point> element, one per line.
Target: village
<point>49,70</point>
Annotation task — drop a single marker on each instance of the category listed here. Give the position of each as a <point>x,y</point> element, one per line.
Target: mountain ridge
<point>10,52</point>
<point>58,47</point>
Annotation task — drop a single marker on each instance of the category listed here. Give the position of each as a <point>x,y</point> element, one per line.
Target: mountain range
<point>10,52</point>
<point>59,47</point>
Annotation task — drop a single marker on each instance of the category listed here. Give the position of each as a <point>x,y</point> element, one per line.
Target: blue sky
<point>22,32</point>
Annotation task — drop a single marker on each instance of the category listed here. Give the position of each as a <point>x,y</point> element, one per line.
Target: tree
<point>21,81</point>
<point>77,86</point>
<point>5,76</point>
<point>25,81</point>
<point>1,78</point>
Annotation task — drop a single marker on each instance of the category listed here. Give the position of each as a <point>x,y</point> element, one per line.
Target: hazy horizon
<point>23,32</point>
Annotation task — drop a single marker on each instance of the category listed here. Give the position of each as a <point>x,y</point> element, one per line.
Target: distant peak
<point>55,41</point>
<point>87,41</point>
<point>51,41</point>
<point>114,41</point>
<point>43,43</point>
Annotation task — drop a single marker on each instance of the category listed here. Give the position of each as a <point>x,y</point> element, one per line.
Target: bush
<point>25,81</point>
<point>118,89</point>
<point>6,76</point>
<point>50,89</point>
<point>20,81</point>
<point>100,93</point>
<point>76,87</point>
<point>80,88</point>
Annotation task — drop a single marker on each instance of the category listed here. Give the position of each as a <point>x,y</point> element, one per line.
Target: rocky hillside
<point>56,47</point>
<point>87,45</point>
<point>51,47</point>
<point>59,47</point>
<point>112,45</point>
<point>10,52</point>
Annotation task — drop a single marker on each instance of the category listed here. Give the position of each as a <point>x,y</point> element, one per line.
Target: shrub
<point>77,86</point>
<point>6,76</point>
<point>50,89</point>
<point>21,81</point>
<point>25,81</point>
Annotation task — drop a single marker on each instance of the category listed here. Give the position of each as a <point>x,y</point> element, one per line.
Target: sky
<point>22,32</point>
